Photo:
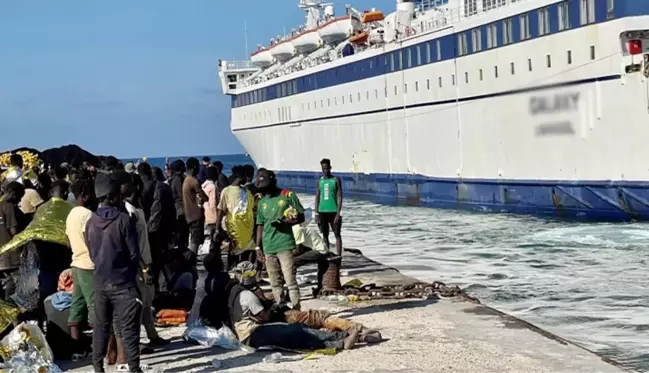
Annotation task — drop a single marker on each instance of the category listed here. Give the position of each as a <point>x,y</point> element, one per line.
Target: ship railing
<point>436,16</point>
<point>239,65</point>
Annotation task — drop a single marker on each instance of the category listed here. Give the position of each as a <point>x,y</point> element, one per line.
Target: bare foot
<point>352,339</point>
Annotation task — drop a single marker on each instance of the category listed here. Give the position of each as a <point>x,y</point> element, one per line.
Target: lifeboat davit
<point>262,58</point>
<point>339,29</point>
<point>359,38</point>
<point>372,17</point>
<point>307,41</point>
<point>282,51</point>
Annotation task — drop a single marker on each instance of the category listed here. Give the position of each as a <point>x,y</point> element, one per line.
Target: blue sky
<point>129,78</point>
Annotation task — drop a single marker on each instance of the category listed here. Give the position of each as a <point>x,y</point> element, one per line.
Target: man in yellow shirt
<point>83,295</point>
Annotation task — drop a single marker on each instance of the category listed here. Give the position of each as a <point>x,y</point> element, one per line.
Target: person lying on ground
<point>255,326</point>
<point>316,319</point>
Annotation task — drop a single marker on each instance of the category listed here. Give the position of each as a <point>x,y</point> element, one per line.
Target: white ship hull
<point>565,134</point>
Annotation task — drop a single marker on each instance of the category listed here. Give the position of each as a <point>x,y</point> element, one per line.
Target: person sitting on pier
<point>256,324</point>
<point>316,319</point>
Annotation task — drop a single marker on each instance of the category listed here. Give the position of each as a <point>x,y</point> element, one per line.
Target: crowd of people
<point>134,239</point>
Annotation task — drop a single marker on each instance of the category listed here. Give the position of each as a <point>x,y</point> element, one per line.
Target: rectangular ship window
<point>610,9</point>
<point>544,21</point>
<point>496,71</point>
<point>508,32</point>
<point>405,88</point>
<point>569,57</point>
<point>549,60</point>
<point>587,12</point>
<point>453,79</point>
<point>439,50</point>
<point>492,36</point>
<point>416,86</point>
<point>466,77</point>
<point>427,52</point>
<point>476,39</point>
<point>592,52</point>
<point>525,27</point>
<point>529,64</point>
<point>409,56</point>
<point>428,84</point>
<point>440,81</point>
<point>480,74</point>
<point>418,55</point>
<point>563,10</point>
<point>511,65</point>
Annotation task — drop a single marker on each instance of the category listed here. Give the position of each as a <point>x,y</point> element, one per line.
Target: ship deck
<point>434,335</point>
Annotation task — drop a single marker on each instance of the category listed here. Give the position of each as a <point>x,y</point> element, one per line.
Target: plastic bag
<point>210,337</point>
<point>26,294</point>
<point>26,350</point>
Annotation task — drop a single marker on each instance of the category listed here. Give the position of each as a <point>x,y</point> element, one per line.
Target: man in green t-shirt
<point>277,212</point>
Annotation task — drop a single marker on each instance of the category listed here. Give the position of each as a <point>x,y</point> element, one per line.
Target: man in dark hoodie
<point>176,183</point>
<point>113,244</point>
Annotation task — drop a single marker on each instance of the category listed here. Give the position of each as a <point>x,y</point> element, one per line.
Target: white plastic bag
<point>210,337</point>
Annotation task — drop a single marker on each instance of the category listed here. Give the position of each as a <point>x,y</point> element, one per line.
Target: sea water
<point>587,282</point>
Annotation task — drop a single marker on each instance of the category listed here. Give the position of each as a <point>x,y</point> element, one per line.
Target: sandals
<point>124,367</point>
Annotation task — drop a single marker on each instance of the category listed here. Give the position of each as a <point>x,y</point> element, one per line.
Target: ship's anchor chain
<point>419,290</point>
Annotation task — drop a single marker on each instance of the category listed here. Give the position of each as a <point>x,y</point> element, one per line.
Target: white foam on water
<point>585,282</point>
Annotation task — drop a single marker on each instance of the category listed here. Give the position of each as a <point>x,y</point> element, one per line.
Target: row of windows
<point>552,18</point>
<point>587,15</point>
<point>284,113</point>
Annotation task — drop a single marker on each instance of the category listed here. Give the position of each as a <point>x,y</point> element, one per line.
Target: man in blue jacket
<point>113,245</point>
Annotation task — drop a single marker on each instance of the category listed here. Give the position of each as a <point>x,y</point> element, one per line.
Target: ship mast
<point>312,10</point>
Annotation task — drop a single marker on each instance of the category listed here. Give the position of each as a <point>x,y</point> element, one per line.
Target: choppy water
<point>586,282</point>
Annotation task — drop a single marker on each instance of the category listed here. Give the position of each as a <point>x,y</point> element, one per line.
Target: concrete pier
<point>435,335</point>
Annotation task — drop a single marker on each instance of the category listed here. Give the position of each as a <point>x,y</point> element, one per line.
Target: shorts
<point>197,232</point>
<point>327,219</point>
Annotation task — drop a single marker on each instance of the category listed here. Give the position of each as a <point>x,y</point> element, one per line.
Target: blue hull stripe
<point>594,200</point>
<point>442,102</point>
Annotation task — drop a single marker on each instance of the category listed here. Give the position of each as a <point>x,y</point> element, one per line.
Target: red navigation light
<point>635,47</point>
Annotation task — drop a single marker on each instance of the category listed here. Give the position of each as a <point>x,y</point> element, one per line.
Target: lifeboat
<point>372,17</point>
<point>339,29</point>
<point>262,58</point>
<point>282,51</point>
<point>359,38</point>
<point>307,41</point>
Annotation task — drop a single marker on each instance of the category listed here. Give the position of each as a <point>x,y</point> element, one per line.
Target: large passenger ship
<point>524,106</point>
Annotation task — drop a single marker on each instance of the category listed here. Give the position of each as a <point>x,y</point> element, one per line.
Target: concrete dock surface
<point>434,335</point>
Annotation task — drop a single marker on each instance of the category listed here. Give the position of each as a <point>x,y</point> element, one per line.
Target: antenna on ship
<point>245,34</point>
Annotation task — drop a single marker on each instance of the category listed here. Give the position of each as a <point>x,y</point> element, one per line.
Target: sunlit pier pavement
<point>438,334</point>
